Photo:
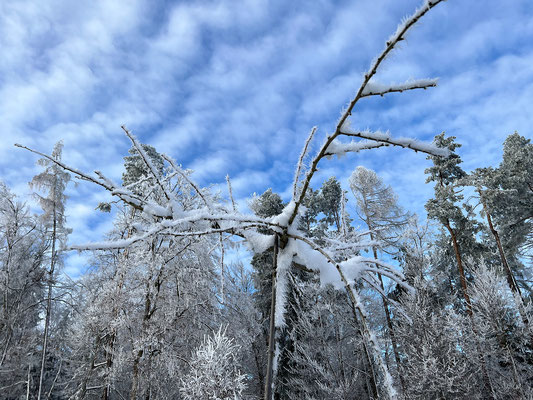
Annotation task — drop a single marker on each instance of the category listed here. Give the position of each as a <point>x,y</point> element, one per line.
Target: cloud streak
<point>234,87</point>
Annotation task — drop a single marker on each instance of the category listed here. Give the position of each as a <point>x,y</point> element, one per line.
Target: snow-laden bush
<point>214,374</point>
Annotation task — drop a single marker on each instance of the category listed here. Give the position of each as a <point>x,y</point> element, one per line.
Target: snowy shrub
<point>214,374</point>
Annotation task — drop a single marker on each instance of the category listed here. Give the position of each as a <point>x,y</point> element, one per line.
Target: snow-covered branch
<point>180,172</point>
<point>301,160</point>
<point>126,196</point>
<point>377,89</point>
<point>147,161</point>
<point>384,138</point>
<point>339,149</point>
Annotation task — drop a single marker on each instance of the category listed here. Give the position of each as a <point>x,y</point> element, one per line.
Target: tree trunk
<point>28,383</point>
<point>272,330</point>
<point>48,305</point>
<point>372,385</point>
<point>389,322</point>
<point>460,267</point>
<point>486,378</point>
<point>511,281</point>
<point>108,350</point>
<point>259,368</point>
<point>135,376</point>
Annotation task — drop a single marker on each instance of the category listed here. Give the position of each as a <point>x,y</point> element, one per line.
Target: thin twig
<point>397,37</point>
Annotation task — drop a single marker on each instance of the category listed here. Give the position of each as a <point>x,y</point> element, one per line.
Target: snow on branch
<point>397,37</point>
<point>301,160</point>
<point>386,138</point>
<point>339,149</point>
<point>377,89</point>
<point>348,271</point>
<point>126,196</point>
<point>196,223</point>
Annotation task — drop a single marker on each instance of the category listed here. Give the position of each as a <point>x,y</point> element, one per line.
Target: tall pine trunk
<point>511,281</point>
<point>462,277</point>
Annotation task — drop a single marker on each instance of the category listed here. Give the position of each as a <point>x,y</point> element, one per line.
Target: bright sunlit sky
<point>233,87</point>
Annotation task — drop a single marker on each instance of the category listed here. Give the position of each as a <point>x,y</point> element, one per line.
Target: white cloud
<point>235,87</point>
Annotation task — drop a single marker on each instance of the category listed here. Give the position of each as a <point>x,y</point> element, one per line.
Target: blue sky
<point>233,87</point>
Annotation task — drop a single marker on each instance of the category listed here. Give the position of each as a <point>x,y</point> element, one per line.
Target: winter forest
<point>334,292</point>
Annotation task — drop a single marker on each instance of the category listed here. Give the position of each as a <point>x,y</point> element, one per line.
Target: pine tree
<point>492,200</point>
<point>505,341</point>
<point>446,174</point>
<point>436,344</point>
<point>462,229</point>
<point>514,213</point>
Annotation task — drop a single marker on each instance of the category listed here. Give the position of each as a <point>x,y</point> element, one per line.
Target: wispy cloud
<point>234,87</point>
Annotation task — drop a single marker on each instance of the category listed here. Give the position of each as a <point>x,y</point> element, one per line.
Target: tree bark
<point>511,281</point>
<point>269,379</point>
<point>48,304</point>
<point>486,378</point>
<point>460,267</point>
<point>389,322</point>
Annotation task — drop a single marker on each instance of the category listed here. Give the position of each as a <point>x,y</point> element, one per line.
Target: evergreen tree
<point>514,213</point>
<point>436,344</point>
<point>462,230</point>
<point>505,341</point>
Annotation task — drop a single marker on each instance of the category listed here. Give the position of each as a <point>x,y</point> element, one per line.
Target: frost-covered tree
<point>136,175</point>
<point>513,213</point>
<point>436,344</point>
<point>378,209</point>
<point>244,324</point>
<point>330,356</point>
<point>493,203</point>
<point>213,373</point>
<point>445,208</point>
<point>145,306</point>
<point>22,277</point>
<point>504,339</point>
<point>53,180</point>
<point>462,229</point>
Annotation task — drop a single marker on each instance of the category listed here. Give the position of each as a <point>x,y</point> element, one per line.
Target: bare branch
<point>125,195</point>
<point>146,160</point>
<point>184,176</point>
<point>391,43</point>
<point>231,193</point>
<point>301,159</point>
